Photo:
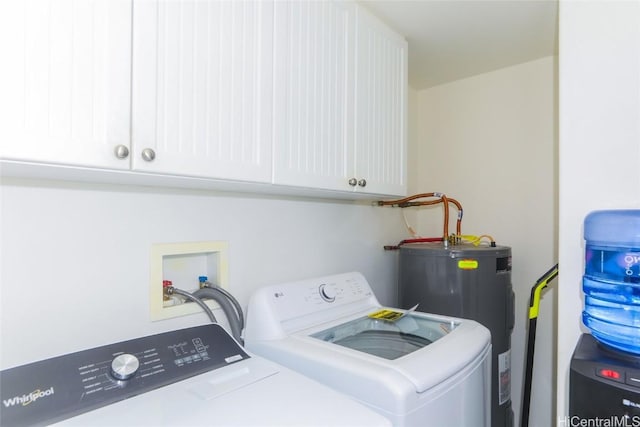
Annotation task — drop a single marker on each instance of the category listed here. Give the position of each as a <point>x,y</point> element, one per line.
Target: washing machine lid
<point>387,333</point>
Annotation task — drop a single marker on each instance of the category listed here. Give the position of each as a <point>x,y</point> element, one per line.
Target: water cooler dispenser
<point>605,367</point>
<point>472,282</point>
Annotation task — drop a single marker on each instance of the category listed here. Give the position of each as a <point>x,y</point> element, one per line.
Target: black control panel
<point>55,389</point>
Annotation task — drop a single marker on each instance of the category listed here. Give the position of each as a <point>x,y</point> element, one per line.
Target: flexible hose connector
<point>221,298</point>
<point>231,298</point>
<point>171,290</point>
<point>476,240</point>
<point>206,283</point>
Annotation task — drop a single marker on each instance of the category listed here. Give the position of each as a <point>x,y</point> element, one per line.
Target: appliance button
<point>610,373</point>
<point>633,378</point>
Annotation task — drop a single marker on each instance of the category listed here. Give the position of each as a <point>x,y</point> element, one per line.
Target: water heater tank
<point>472,282</point>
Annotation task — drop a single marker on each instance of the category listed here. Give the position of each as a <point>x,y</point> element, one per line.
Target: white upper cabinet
<point>381,107</point>
<point>307,94</point>
<point>202,88</point>
<point>65,81</point>
<point>340,99</point>
<point>314,99</point>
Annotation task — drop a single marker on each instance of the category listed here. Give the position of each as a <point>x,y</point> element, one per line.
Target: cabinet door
<point>202,89</point>
<point>313,94</point>
<point>65,81</point>
<point>381,107</point>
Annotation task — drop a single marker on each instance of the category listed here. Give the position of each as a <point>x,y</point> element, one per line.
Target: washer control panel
<point>55,389</point>
<point>312,297</point>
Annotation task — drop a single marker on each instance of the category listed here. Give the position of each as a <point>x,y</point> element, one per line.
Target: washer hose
<point>222,299</point>
<point>231,298</point>
<point>187,295</point>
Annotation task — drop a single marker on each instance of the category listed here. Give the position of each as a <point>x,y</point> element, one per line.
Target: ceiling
<point>453,39</point>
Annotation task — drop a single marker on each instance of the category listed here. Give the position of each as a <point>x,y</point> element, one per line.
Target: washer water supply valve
<point>168,289</point>
<point>166,295</point>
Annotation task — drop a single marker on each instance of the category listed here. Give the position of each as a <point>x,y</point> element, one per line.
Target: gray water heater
<point>472,282</point>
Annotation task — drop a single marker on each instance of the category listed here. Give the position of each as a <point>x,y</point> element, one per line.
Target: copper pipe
<point>435,202</point>
<point>445,232</point>
<point>419,240</point>
<point>407,202</point>
<point>406,199</point>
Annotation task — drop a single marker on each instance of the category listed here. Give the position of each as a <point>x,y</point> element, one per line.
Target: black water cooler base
<point>604,385</point>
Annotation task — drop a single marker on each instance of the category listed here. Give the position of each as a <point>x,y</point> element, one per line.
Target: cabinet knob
<point>148,155</point>
<point>353,182</point>
<point>362,183</point>
<point>121,151</point>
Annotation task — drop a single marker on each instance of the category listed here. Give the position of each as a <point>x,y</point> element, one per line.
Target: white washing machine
<point>191,377</point>
<point>415,369</point>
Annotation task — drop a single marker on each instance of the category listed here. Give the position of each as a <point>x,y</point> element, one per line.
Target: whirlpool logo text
<point>26,399</point>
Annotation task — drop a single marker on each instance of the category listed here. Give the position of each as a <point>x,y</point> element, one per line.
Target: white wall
<point>599,78</point>
<point>489,141</point>
<point>75,257</point>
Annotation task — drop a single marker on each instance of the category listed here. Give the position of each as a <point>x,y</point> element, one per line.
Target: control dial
<point>124,366</point>
<point>327,293</point>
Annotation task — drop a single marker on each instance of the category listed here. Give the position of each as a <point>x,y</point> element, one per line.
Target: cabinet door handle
<point>362,182</point>
<point>121,151</point>
<point>353,182</point>
<point>148,155</point>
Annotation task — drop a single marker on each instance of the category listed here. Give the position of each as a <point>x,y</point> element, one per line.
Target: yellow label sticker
<point>386,314</point>
<point>468,264</point>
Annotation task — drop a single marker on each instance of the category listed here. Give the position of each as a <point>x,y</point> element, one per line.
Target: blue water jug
<point>611,281</point>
